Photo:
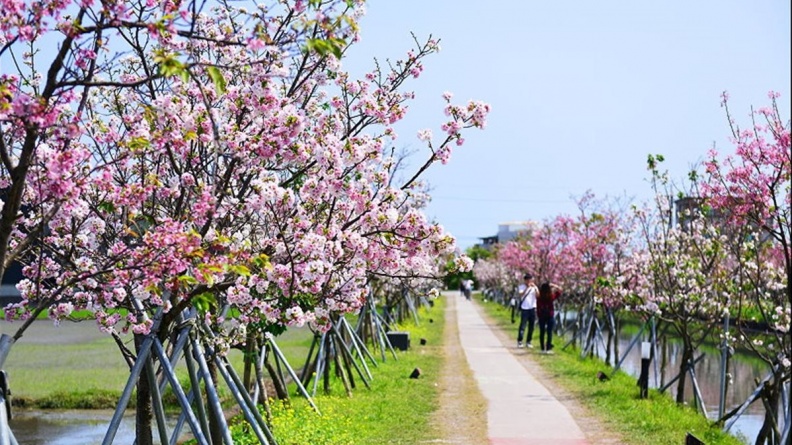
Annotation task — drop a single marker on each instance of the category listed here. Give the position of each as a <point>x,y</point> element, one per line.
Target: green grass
<point>37,371</point>
<point>396,410</point>
<point>656,420</point>
<point>92,374</point>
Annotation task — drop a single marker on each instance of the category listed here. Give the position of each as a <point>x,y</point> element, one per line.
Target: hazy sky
<point>581,92</point>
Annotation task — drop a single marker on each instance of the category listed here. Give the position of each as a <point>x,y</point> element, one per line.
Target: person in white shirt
<point>527,295</point>
<point>467,285</point>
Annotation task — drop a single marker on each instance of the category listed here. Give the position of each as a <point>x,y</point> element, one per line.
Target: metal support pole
<point>178,347</point>
<point>319,369</point>
<point>411,307</point>
<point>6,341</point>
<point>249,402</point>
<point>787,410</point>
<point>629,348</point>
<point>697,391</point>
<point>358,348</point>
<point>589,337</point>
<point>134,373</point>
<point>345,350</point>
<point>156,401</point>
<point>174,439</point>
<point>179,392</point>
<point>749,400</point>
<point>724,364</point>
<point>6,435</point>
<point>307,366</point>
<point>654,351</point>
<point>194,395</point>
<point>241,401</point>
<point>211,391</point>
<point>279,356</point>
<point>671,382</point>
<point>598,334</point>
<point>259,364</point>
<point>384,337</point>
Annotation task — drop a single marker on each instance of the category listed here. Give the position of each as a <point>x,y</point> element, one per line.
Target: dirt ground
<point>462,416</point>
<point>463,412</point>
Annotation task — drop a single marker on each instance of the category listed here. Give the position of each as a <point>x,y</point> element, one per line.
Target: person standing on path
<point>545,312</point>
<point>467,288</point>
<point>528,292</point>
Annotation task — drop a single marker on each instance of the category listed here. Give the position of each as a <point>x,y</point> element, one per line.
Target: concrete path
<point>521,410</point>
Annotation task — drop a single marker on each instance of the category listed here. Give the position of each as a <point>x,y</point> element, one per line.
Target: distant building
<point>689,208</point>
<point>509,230</point>
<point>488,240</point>
<point>506,232</point>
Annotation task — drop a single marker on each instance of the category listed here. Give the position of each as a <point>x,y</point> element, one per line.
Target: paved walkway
<point>521,410</point>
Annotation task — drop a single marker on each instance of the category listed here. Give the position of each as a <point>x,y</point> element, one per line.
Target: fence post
<point>643,379</point>
<point>724,364</point>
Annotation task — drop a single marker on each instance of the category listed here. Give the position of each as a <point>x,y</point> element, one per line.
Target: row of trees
<point>719,245</point>
<point>166,158</point>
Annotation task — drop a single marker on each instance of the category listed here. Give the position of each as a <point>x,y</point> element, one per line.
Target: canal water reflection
<point>708,374</point>
<point>70,427</point>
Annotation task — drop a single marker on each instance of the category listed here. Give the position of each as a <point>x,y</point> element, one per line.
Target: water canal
<point>743,372</point>
<point>68,427</point>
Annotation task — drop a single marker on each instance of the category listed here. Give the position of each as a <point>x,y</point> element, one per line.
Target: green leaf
<point>170,66</point>
<point>262,261</point>
<point>217,79</point>
<point>107,207</point>
<point>323,47</point>
<point>186,279</point>
<point>239,270</point>
<point>204,301</point>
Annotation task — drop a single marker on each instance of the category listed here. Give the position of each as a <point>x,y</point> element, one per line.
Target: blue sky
<point>581,92</point>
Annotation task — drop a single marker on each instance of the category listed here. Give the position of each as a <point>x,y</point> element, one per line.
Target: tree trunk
<point>687,359</point>
<point>215,426</point>
<point>771,433</point>
<point>611,342</point>
<point>328,362</point>
<point>663,344</point>
<point>143,409</point>
<point>250,345</point>
<point>616,329</point>
<point>263,396</point>
<point>277,382</point>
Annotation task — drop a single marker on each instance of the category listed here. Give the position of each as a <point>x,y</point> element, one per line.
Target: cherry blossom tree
<point>685,266</point>
<point>749,192</point>
<point>498,278</point>
<point>183,158</point>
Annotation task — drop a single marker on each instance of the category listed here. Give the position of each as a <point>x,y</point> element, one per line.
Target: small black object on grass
<point>416,373</point>
<point>692,440</point>
<point>423,341</point>
<point>431,320</point>
<point>602,376</point>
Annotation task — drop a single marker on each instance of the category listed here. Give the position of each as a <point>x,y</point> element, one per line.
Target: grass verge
<point>657,420</point>
<point>396,410</point>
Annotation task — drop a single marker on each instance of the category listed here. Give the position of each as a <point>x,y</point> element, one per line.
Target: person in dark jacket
<point>545,313</point>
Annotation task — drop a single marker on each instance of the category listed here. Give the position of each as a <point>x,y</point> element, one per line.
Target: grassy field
<point>90,372</point>
<point>656,420</point>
